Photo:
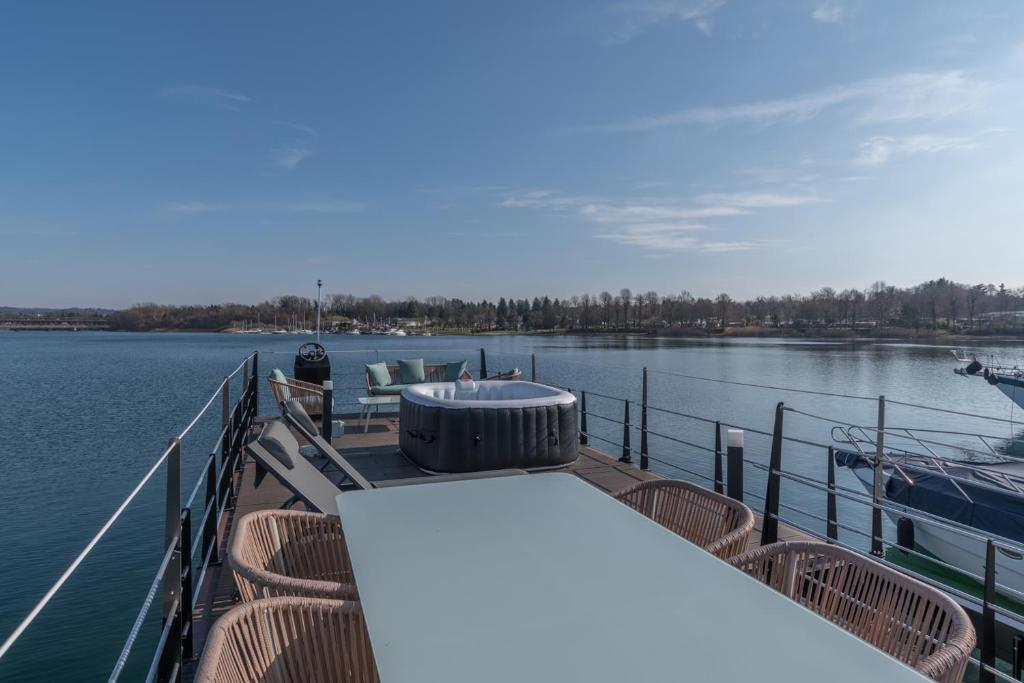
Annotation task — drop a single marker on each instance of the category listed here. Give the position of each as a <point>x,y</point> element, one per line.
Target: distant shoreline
<point>835,335</point>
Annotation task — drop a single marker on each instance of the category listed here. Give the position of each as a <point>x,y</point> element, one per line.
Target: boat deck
<point>375,454</point>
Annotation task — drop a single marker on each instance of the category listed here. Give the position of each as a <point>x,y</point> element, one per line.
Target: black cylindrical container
<point>315,371</point>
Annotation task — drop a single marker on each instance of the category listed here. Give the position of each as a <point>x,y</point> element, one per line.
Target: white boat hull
<point>1014,392</point>
<point>966,553</point>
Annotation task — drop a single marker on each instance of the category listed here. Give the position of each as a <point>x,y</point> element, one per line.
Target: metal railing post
<point>210,545</point>
<point>627,452</point>
<point>171,584</point>
<point>987,636</point>
<point>238,428</point>
<point>718,458</point>
<point>533,367</point>
<point>832,522</point>
<point>245,376</point>
<point>225,446</point>
<point>483,364</point>
<point>185,541</point>
<point>326,411</point>
<point>876,490</point>
<point>1018,657</point>
<point>256,382</point>
<point>583,418</point>
<point>643,426</point>
<point>734,460</point>
<point>770,520</point>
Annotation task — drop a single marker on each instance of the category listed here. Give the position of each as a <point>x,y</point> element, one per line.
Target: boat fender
<point>993,378</point>
<point>905,533</point>
<point>985,373</point>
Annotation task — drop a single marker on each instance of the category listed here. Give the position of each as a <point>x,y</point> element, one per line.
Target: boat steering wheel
<point>311,351</point>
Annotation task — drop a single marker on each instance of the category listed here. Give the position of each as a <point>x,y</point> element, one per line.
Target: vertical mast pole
<point>319,284</point>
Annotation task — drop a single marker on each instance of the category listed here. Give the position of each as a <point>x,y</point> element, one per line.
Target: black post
<point>718,458</point>
<point>171,609</point>
<point>626,451</point>
<point>185,541</point>
<point>876,491</point>
<point>225,425</point>
<point>832,523</point>
<point>734,464</point>
<point>583,418</point>
<point>256,382</point>
<point>533,367</point>
<point>210,527</point>
<point>987,637</point>
<point>1018,656</point>
<point>483,364</point>
<point>770,522</point>
<point>643,426</point>
<point>327,411</point>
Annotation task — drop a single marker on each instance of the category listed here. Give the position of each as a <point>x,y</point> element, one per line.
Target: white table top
<point>543,578</point>
<point>379,400</point>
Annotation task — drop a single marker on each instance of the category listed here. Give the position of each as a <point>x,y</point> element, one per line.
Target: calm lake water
<point>85,415</point>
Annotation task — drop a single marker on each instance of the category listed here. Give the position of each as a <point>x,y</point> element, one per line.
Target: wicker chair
<point>905,618</point>
<point>276,553</point>
<point>715,522</point>
<point>310,395</point>
<point>289,640</point>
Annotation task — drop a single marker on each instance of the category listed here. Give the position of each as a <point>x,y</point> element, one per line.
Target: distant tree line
<point>934,305</point>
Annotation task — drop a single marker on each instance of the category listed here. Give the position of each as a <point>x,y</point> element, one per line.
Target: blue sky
<point>195,152</point>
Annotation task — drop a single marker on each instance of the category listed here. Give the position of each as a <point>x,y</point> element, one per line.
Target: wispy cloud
<point>901,98</point>
<point>829,12</point>
<point>308,130</point>
<point>661,225</point>
<point>542,199</point>
<point>627,20</point>
<point>290,156</point>
<point>632,213</point>
<point>660,242</point>
<point>879,149</point>
<point>757,200</point>
<point>201,94</point>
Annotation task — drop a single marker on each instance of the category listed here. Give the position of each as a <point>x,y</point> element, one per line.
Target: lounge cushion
<point>278,376</point>
<point>280,443</point>
<point>379,375</point>
<point>390,390</point>
<point>411,371</point>
<point>299,414</point>
<point>452,371</point>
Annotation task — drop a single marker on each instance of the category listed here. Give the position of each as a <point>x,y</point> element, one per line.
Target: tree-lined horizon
<point>935,304</point>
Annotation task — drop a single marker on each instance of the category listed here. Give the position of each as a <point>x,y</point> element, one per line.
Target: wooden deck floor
<point>375,454</point>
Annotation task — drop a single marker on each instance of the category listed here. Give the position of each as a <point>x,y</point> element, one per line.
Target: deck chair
<point>276,451</point>
<point>298,418</point>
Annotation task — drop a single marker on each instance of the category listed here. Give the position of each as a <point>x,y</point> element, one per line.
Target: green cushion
<point>379,375</point>
<point>452,371</point>
<point>390,390</point>
<point>278,376</point>
<point>411,371</point>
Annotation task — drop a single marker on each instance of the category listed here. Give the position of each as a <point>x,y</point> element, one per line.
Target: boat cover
<point>990,504</point>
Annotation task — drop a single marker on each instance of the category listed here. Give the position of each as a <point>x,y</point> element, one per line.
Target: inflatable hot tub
<point>474,426</point>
